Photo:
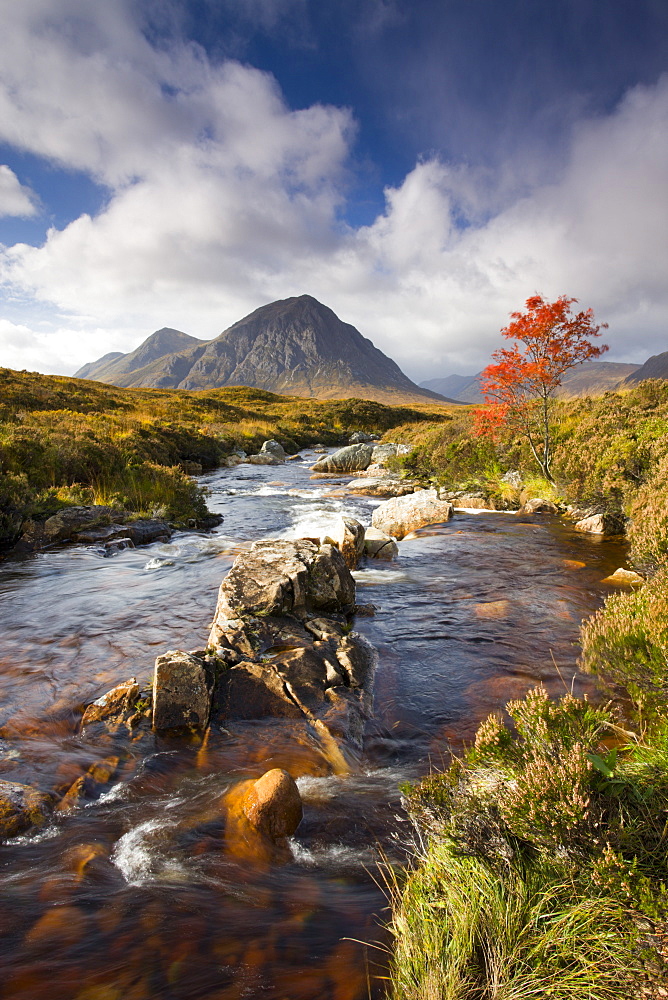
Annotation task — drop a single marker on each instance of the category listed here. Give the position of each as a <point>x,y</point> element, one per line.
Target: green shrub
<point>626,643</point>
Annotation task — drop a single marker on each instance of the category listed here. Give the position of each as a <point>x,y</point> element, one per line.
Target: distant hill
<point>591,378</point>
<point>654,367</point>
<point>113,367</point>
<point>294,346</point>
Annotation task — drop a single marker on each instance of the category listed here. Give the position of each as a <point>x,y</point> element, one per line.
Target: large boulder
<point>181,691</point>
<point>273,448</point>
<point>352,458</point>
<point>282,627</point>
<point>403,514</point>
<point>21,808</point>
<point>278,576</point>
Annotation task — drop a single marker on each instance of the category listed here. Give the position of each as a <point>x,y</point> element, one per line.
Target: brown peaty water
<point>142,893</point>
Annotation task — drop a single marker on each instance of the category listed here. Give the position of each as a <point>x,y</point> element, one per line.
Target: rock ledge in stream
<point>181,691</point>
<point>281,625</point>
<point>401,515</point>
<point>21,807</point>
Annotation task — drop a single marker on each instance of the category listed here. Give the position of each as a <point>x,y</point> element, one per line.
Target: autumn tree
<point>520,384</point>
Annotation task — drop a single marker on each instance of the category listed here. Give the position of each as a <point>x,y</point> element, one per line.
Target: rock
<point>181,691</point>
<point>378,545</point>
<point>113,707</point>
<point>606,525</point>
<point>403,514</point>
<point>360,437</point>
<point>119,545</point>
<point>21,808</point>
<point>538,506</point>
<point>347,535</point>
<point>349,459</point>
<point>382,452</point>
<point>273,804</point>
<point>273,448</point>
<point>143,531</point>
<point>277,576</point>
<point>264,459</point>
<point>319,449</point>
<point>382,487</point>
<point>624,576</point>
<point>230,461</point>
<point>467,501</point>
<point>280,625</point>
<point>89,785</point>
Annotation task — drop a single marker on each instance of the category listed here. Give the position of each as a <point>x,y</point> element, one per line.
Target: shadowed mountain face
<point>654,367</point>
<point>116,365</point>
<point>295,346</point>
<point>591,378</point>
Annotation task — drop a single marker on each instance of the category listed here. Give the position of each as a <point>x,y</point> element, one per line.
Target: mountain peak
<point>296,346</point>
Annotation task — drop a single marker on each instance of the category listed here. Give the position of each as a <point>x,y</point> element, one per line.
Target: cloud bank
<point>221,198</point>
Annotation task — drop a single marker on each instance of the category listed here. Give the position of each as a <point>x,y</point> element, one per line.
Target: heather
<point>541,863</point>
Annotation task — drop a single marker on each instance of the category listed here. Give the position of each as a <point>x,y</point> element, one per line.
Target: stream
<point>135,896</point>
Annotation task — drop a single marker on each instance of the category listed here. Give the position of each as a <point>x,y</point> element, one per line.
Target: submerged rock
<point>264,458</point>
<point>114,707</point>
<point>21,808</point>
<point>182,691</point>
<point>352,458</point>
<point>401,515</point>
<point>384,486</point>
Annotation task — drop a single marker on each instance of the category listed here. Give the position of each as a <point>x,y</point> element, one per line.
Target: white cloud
<point>222,198</point>
<point>15,199</point>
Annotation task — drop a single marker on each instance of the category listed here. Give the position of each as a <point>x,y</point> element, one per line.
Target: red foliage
<point>549,340</point>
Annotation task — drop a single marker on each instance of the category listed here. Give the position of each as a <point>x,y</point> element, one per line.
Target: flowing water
<point>138,895</point>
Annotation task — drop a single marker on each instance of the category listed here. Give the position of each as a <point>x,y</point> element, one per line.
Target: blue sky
<point>420,166</point>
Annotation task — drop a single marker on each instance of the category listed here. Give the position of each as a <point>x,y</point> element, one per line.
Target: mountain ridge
<point>586,379</point>
<point>295,346</point>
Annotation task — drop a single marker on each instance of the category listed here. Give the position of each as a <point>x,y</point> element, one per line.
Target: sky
<point>420,166</point>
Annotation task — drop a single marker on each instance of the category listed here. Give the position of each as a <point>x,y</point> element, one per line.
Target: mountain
<point>462,387</point>
<point>591,378</point>
<point>295,346</point>
<point>89,370</point>
<point>654,367</point>
<point>115,366</point>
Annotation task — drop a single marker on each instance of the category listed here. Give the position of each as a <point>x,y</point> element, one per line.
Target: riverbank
<point>541,865</point>
<point>71,442</point>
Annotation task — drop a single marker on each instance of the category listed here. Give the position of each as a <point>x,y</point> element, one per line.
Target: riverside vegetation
<point>65,442</point>
<point>543,868</point>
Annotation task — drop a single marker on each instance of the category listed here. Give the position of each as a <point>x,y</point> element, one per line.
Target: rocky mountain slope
<point>113,367</point>
<point>295,346</point>
<point>654,367</point>
<point>591,378</point>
